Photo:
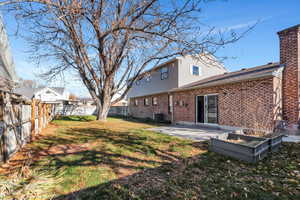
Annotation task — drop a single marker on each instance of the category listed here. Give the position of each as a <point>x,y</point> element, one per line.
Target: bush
<point>84,118</point>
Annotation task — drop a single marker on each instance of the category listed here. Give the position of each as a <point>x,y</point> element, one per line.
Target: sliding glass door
<point>207,109</point>
<point>212,109</point>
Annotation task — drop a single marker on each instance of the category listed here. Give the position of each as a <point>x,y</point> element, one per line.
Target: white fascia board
<point>46,88</point>
<point>275,73</point>
<point>230,80</point>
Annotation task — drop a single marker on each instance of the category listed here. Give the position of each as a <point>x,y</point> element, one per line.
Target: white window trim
<point>154,101</point>
<point>166,72</point>
<point>148,78</point>
<point>138,82</point>
<point>146,102</point>
<point>199,67</point>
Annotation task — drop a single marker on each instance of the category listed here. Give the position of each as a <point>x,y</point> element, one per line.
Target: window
<point>195,70</point>
<point>181,103</point>
<point>154,101</point>
<point>170,107</point>
<point>146,102</point>
<point>148,78</point>
<point>136,102</point>
<point>138,82</point>
<point>164,73</point>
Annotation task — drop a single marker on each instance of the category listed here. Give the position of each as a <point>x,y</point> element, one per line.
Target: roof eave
<point>274,73</point>
<point>155,68</point>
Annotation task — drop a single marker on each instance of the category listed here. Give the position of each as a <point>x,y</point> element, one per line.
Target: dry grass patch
<point>92,153</point>
<point>121,159</point>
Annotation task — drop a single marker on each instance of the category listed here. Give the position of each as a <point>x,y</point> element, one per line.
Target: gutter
<point>222,81</point>
<point>240,78</point>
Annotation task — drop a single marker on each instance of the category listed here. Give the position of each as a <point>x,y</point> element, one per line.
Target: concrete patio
<point>199,133</point>
<point>196,133</point>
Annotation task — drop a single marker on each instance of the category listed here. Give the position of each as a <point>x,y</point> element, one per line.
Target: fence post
<point>32,119</point>
<point>3,138</point>
<point>40,117</point>
<point>6,103</point>
<point>44,115</point>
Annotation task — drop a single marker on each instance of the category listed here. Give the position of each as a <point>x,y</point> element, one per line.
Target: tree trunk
<point>102,111</point>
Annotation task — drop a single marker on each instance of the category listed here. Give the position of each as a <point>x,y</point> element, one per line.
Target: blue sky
<point>258,47</point>
<point>261,45</point>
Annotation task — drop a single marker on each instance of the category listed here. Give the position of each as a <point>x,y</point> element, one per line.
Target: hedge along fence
<point>20,121</point>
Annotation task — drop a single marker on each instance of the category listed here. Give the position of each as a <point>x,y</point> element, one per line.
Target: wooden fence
<point>20,121</point>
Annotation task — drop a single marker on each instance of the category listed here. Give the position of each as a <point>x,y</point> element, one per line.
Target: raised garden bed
<point>275,143</point>
<point>244,147</point>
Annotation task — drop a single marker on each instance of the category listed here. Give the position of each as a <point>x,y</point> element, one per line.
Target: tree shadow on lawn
<point>80,147</point>
<point>95,147</point>
<point>153,172</point>
<point>205,176</point>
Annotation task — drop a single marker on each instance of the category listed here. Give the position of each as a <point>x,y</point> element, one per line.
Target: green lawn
<point>122,160</point>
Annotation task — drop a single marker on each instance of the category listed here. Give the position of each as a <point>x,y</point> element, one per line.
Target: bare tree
<point>27,83</point>
<point>110,42</point>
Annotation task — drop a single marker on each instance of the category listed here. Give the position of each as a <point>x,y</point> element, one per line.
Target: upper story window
<point>148,78</point>
<point>195,70</point>
<point>146,102</point>
<point>138,82</point>
<point>164,73</point>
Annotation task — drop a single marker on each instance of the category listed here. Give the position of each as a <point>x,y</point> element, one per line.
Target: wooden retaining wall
<point>20,121</point>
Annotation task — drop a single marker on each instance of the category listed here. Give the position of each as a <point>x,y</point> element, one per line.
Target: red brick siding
<point>289,55</point>
<point>142,111</point>
<point>245,104</point>
<point>187,113</point>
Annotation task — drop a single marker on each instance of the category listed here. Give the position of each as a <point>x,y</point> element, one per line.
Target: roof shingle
<point>254,70</point>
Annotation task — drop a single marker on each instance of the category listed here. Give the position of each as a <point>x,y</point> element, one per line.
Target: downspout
<point>172,107</point>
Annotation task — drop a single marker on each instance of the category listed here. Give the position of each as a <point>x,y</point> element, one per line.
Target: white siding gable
<point>48,94</point>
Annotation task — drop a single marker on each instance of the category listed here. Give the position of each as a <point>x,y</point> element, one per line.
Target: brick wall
<point>289,55</point>
<point>143,111</point>
<point>248,104</point>
<point>244,104</point>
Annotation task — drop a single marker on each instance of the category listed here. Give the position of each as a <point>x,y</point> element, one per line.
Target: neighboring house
<point>45,94</point>
<point>90,102</point>
<point>86,101</point>
<point>63,92</point>
<point>119,109</point>
<point>7,68</point>
<point>256,98</point>
<point>123,102</point>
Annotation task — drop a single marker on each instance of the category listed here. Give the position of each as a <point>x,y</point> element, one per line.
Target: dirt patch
<point>65,149</point>
<point>92,153</point>
<point>28,154</point>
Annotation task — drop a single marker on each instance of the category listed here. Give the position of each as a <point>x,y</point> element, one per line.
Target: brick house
<point>256,98</point>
